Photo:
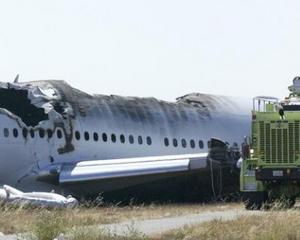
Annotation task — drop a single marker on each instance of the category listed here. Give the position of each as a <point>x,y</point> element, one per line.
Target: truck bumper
<point>277,174</point>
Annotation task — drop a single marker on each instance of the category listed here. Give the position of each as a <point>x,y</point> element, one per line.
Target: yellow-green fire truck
<point>271,161</point>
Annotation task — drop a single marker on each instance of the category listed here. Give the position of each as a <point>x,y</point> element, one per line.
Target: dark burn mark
<point>17,102</point>
<point>139,110</point>
<point>68,147</point>
<point>203,103</point>
<point>59,108</point>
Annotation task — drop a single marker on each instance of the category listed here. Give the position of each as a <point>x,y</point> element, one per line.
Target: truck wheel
<point>254,200</point>
<point>287,202</point>
<point>291,202</point>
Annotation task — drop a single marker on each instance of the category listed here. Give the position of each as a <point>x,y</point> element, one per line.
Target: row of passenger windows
<point>25,132</point>
<point>184,143</point>
<point>105,137</point>
<point>131,140</point>
<point>113,137</point>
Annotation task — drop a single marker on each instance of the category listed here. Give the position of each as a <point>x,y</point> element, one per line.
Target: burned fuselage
<point>49,123</point>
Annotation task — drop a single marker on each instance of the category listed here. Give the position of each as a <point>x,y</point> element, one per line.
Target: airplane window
<point>140,140</point>
<point>86,136</point>
<point>113,138</point>
<point>31,133</point>
<point>42,133</point>
<point>122,138</point>
<point>175,143</point>
<point>183,143</point>
<point>77,135</point>
<point>192,143</point>
<point>15,133</point>
<point>149,140</point>
<point>59,134</point>
<point>95,137</point>
<point>24,132</point>
<point>49,133</point>
<point>131,139</point>
<point>201,145</point>
<point>166,140</point>
<point>104,137</point>
<point>6,132</point>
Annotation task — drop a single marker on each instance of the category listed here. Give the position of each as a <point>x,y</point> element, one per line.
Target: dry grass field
<point>16,219</point>
<point>273,225</point>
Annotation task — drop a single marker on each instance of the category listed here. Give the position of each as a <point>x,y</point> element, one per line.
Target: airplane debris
<point>11,195</point>
<point>16,79</point>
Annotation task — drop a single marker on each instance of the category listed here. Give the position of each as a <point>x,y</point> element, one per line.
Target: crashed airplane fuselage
<point>53,136</point>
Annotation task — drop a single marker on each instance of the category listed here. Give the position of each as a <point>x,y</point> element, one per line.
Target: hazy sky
<point>153,48</point>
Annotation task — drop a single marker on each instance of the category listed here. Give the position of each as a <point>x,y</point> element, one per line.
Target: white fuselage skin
<point>105,133</point>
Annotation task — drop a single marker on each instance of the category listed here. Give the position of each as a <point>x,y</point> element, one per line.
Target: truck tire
<point>254,200</point>
<point>288,202</point>
<point>292,202</point>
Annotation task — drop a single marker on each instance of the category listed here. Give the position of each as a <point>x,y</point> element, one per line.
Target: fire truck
<point>270,168</point>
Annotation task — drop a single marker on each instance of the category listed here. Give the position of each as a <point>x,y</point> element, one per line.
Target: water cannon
<point>295,88</point>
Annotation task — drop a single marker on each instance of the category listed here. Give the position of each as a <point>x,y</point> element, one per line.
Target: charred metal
<point>38,109</point>
<point>52,104</point>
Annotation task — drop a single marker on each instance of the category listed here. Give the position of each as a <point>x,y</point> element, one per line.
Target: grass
<point>273,225</point>
<point>51,226</point>
<point>48,226</point>
<point>18,219</point>
<point>80,234</point>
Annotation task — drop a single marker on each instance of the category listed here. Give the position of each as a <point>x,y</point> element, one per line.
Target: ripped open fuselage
<point>48,124</point>
<point>35,129</point>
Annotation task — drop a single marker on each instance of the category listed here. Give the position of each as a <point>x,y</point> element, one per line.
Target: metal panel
<point>278,141</point>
